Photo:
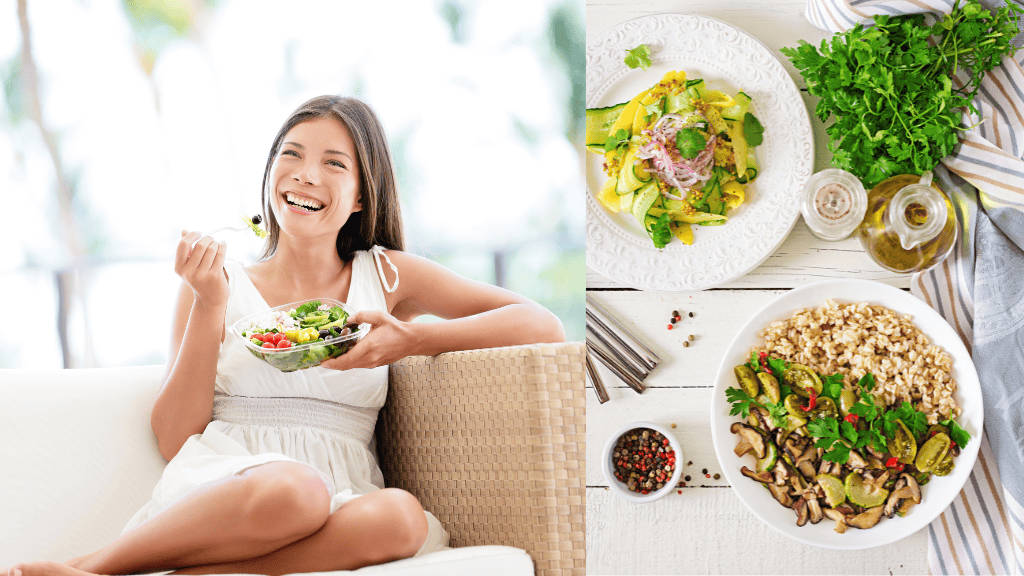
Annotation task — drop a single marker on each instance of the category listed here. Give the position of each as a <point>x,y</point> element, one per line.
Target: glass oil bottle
<point>910,224</point>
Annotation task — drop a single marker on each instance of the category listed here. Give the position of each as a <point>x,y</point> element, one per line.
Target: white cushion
<point>78,458</point>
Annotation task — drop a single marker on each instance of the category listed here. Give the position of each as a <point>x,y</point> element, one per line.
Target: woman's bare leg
<point>245,516</point>
<point>379,527</point>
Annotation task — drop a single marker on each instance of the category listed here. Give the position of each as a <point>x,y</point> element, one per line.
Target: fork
<point>256,220</point>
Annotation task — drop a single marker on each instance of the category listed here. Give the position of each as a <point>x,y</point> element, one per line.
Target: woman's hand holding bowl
<point>388,341</point>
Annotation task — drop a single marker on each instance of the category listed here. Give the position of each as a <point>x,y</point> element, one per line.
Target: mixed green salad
<point>828,450</point>
<point>293,338</point>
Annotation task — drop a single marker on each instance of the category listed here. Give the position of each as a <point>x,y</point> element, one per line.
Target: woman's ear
<point>359,203</point>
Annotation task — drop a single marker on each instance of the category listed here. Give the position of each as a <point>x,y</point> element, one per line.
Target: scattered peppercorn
<point>669,326</point>
<point>690,314</point>
<point>704,471</point>
<point>680,492</point>
<point>675,312</point>
<point>707,475</point>
<point>673,320</point>
<point>690,463</point>
<point>690,337</point>
<point>686,344</point>
<point>687,478</point>
<point>717,475</point>
<point>673,425</point>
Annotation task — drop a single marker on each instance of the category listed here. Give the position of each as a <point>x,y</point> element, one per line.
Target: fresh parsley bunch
<point>890,87</point>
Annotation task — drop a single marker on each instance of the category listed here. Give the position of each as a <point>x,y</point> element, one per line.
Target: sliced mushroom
<point>845,509</point>
<point>806,468</point>
<point>839,517</point>
<point>824,466</point>
<point>765,477</point>
<point>781,494</point>
<point>815,510</point>
<point>802,514</point>
<point>793,449</point>
<point>866,519</point>
<point>905,507</point>
<point>781,472</point>
<point>894,499</point>
<point>913,486</point>
<point>856,461</point>
<point>750,439</point>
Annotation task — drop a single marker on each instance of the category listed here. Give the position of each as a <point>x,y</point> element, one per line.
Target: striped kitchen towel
<point>979,290</point>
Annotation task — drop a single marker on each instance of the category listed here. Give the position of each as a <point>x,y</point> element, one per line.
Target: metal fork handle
<point>602,392</point>
<point>640,371</point>
<point>655,357</point>
<point>643,360</point>
<point>622,373</point>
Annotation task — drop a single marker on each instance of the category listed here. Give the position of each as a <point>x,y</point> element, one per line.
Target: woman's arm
<point>477,315</point>
<point>184,405</point>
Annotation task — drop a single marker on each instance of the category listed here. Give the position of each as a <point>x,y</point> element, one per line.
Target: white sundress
<point>320,417</point>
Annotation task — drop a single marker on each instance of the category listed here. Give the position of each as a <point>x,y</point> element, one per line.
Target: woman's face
<point>314,181</point>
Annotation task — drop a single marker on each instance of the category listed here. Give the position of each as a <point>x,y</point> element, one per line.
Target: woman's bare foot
<point>46,568</point>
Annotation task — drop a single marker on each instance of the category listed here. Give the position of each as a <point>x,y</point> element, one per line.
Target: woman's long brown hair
<point>380,220</point>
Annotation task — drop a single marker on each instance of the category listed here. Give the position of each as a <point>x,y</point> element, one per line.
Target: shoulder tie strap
<point>378,251</point>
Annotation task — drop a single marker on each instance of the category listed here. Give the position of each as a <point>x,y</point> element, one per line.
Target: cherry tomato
<point>269,345</point>
<point>275,338</point>
<point>284,343</point>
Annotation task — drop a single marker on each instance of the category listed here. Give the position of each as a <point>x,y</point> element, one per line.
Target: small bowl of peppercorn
<point>642,462</point>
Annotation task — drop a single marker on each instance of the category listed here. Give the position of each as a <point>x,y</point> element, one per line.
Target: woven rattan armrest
<point>493,443</point>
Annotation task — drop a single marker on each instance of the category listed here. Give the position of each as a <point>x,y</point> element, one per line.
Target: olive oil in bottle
<point>910,224</point>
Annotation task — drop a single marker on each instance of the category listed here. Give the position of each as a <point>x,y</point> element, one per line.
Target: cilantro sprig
<point>690,142</point>
<point>889,86</point>
<point>639,57</point>
<point>660,232</point>
<point>615,140</point>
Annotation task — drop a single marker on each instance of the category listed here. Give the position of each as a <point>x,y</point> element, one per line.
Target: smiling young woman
<point>272,472</point>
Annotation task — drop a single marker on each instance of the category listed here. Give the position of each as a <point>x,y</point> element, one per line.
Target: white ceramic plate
<point>730,60</point>
<point>936,495</point>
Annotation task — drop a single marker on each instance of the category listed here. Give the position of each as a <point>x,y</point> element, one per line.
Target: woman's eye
<point>290,152</point>
<point>335,163</point>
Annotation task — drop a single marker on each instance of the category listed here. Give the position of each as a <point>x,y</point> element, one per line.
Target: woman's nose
<point>306,175</point>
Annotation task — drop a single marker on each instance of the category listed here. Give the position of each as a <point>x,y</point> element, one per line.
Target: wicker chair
<point>493,443</point>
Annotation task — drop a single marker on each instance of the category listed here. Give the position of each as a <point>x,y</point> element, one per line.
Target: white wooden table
<point>706,529</point>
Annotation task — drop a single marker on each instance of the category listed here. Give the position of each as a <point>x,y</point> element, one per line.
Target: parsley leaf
<point>639,57</point>
<point>832,386</point>
<point>956,433</point>
<point>740,401</point>
<point>690,142</point>
<point>615,140</point>
<point>777,366</point>
<point>867,382</point>
<point>889,89</point>
<point>916,422</point>
<point>752,130</point>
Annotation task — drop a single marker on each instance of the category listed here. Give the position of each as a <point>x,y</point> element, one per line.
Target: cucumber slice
<point>863,494</point>
<point>629,180</point>
<point>771,455</point>
<point>599,122</point>
<point>835,493</point>
<point>645,198</point>
<point>739,109</point>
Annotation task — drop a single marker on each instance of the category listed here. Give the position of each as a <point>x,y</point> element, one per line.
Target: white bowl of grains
<point>642,462</point>
<point>877,324</point>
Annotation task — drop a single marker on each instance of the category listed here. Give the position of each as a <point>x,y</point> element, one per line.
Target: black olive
<point>325,333</point>
<point>257,219</point>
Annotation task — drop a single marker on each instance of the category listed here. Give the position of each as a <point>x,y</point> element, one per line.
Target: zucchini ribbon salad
<point>676,154</point>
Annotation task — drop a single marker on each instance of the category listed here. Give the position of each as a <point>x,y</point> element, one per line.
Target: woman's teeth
<point>302,202</point>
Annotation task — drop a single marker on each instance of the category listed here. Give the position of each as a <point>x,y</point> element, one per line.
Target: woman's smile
<point>301,203</point>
